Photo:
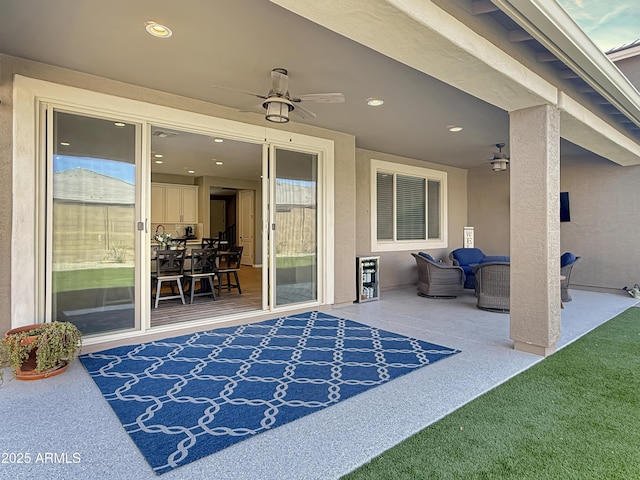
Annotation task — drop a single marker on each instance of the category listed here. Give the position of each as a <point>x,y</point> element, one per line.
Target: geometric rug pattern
<point>185,397</point>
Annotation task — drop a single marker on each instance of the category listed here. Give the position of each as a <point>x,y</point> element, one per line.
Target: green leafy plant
<point>117,254</point>
<point>55,344</point>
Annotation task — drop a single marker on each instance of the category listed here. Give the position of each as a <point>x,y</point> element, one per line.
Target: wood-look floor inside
<point>228,302</point>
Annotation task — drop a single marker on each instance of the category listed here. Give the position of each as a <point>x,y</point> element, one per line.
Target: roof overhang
<point>422,35</point>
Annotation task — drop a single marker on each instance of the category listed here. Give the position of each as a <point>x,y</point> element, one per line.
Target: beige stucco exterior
<point>344,159</point>
<point>513,212</point>
<point>399,268</point>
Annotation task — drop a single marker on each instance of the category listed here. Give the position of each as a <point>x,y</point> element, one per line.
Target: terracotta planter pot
<point>28,369</point>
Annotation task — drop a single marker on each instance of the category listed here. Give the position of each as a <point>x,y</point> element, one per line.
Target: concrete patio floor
<point>67,416</point>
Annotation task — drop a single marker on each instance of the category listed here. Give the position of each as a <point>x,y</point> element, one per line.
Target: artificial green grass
<point>295,262</point>
<point>575,415</point>
<point>75,280</point>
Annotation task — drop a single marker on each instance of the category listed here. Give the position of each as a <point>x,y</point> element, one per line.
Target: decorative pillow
<point>567,258</point>
<point>495,258</point>
<point>426,255</point>
<point>467,256</point>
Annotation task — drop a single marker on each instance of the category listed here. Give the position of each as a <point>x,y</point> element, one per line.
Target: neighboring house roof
<point>86,186</point>
<point>624,51</point>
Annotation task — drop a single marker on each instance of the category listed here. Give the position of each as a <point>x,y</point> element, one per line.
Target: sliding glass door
<point>294,233</point>
<point>91,237</point>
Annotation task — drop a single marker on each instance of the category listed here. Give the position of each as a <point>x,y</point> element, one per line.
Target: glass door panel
<point>91,228</point>
<point>295,235</point>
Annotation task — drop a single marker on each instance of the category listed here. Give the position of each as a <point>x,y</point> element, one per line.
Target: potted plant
<point>41,350</point>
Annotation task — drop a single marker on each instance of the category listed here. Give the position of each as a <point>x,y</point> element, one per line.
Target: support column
<point>535,229</point>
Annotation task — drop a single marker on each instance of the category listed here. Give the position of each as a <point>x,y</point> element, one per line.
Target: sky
<point>121,170</point>
<point>609,23</point>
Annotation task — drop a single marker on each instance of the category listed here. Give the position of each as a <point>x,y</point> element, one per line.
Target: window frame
<point>427,174</point>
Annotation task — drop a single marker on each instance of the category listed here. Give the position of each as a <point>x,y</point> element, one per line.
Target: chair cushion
<point>467,256</point>
<point>495,258</point>
<point>567,258</point>
<point>426,255</point>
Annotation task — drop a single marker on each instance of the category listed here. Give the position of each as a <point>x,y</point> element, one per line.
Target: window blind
<point>410,208</point>
<point>384,205</point>
<point>433,212</point>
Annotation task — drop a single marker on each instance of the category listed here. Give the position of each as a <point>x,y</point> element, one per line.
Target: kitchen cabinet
<point>173,203</point>
<point>157,203</point>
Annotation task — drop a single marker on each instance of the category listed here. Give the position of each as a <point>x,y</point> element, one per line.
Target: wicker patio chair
<point>465,257</point>
<point>567,261</point>
<point>437,280</point>
<point>492,286</point>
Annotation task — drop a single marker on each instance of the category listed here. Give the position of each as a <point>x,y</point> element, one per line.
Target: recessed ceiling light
<point>158,30</point>
<point>219,163</point>
<point>191,171</point>
<point>158,161</point>
<point>454,128</point>
<point>218,140</point>
<point>158,155</point>
<point>66,144</point>
<point>119,124</point>
<point>374,102</point>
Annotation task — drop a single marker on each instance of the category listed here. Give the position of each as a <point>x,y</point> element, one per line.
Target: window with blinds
<point>407,207</point>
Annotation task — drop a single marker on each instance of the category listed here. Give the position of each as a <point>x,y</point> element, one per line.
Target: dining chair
<point>180,242</point>
<point>169,269</point>
<point>231,265</point>
<point>208,242</point>
<point>203,267</point>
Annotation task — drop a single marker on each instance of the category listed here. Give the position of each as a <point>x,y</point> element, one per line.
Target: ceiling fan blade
<point>255,109</point>
<point>279,83</point>
<point>238,91</point>
<point>320,98</point>
<point>303,112</point>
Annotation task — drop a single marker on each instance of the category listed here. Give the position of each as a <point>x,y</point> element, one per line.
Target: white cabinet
<point>173,203</point>
<point>157,203</point>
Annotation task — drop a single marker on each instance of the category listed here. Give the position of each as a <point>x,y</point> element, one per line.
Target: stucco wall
<point>631,69</point>
<point>604,228</point>
<point>488,210</point>
<point>399,268</point>
<point>344,193</point>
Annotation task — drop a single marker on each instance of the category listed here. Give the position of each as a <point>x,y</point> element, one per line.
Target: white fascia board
<point>423,36</point>
<point>582,127</point>
<point>624,54</point>
<point>552,26</point>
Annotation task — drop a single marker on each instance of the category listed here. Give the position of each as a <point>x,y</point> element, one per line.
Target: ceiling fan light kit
<point>500,160</point>
<point>499,165</point>
<point>278,109</point>
<point>279,102</point>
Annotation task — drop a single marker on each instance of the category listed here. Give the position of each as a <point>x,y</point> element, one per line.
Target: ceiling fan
<point>278,102</point>
<point>500,160</point>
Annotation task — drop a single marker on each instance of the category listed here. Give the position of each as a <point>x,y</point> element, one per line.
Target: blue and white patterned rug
<point>186,397</point>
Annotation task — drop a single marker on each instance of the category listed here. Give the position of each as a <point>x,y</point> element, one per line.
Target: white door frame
<point>27,213</point>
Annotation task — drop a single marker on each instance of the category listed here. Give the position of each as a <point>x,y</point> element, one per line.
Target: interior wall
<point>344,161</point>
<point>399,267</point>
<point>488,210</point>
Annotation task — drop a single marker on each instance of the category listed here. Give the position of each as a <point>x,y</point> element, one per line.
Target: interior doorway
<point>218,169</point>
<point>218,219</point>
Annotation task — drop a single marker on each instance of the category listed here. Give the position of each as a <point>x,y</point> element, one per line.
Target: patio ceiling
<point>237,43</point>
